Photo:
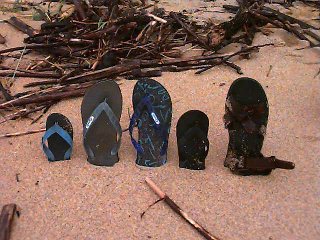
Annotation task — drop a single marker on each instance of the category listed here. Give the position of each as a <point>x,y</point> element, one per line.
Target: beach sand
<point>76,200</point>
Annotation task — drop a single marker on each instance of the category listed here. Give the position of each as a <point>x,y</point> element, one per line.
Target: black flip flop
<point>192,139</point>
<point>152,115</point>
<point>101,111</point>
<point>246,119</point>
<point>59,136</point>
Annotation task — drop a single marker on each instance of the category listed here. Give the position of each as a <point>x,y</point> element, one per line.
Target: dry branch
<point>17,134</point>
<point>6,220</point>
<point>179,211</point>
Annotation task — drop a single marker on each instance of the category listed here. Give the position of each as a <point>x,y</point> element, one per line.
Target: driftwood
<point>120,39</point>
<point>179,211</point>
<point>6,220</point>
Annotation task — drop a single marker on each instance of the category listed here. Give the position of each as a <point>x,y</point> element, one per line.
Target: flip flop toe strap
<point>161,129</point>
<point>103,107</point>
<point>63,134</point>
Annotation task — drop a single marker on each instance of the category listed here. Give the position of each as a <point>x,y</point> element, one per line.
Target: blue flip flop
<point>57,141</point>
<point>152,115</point>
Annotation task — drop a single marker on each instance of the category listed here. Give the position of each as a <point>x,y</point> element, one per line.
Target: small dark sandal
<point>152,115</point>
<point>192,139</point>
<point>59,136</point>
<point>246,118</point>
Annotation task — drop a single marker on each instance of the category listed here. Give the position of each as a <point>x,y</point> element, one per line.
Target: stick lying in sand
<point>7,135</point>
<point>6,219</point>
<point>179,211</point>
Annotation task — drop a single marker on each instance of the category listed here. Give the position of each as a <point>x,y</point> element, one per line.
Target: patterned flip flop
<point>152,115</point>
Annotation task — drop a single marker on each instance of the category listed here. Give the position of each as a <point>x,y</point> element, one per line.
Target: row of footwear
<point>246,118</point>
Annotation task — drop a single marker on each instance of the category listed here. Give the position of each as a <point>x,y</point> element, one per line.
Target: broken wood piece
<point>103,73</point>
<point>179,211</point>
<point>21,26</point>
<point>6,220</point>
<point>8,135</point>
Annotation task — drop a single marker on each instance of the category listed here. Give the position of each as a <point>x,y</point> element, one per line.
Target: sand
<point>76,200</point>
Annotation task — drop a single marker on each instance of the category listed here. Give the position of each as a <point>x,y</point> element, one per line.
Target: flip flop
<point>101,111</point>
<point>246,119</point>
<point>192,139</point>
<point>57,141</point>
<point>152,115</point>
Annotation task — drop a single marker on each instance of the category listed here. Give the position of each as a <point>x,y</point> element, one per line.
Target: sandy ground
<point>76,200</point>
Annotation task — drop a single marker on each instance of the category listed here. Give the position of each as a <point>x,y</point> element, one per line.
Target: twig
<point>179,211</point>
<point>45,110</point>
<point>226,58</point>
<point>188,30</point>
<point>29,74</point>
<point>8,135</point>
<point>21,26</point>
<point>6,220</point>
<point>55,96</point>
<point>290,19</point>
<point>21,113</point>
<point>33,46</point>
<point>234,66</point>
<point>144,212</point>
<point>18,64</point>
<point>156,18</point>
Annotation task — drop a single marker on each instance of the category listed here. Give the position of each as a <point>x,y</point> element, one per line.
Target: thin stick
<point>189,31</point>
<point>157,18</point>
<point>6,219</point>
<point>29,74</point>
<point>179,211</point>
<point>226,58</point>
<point>18,64</point>
<point>8,135</point>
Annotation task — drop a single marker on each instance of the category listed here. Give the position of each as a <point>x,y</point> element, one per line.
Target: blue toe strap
<point>63,134</point>
<point>103,107</point>
<point>160,129</point>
